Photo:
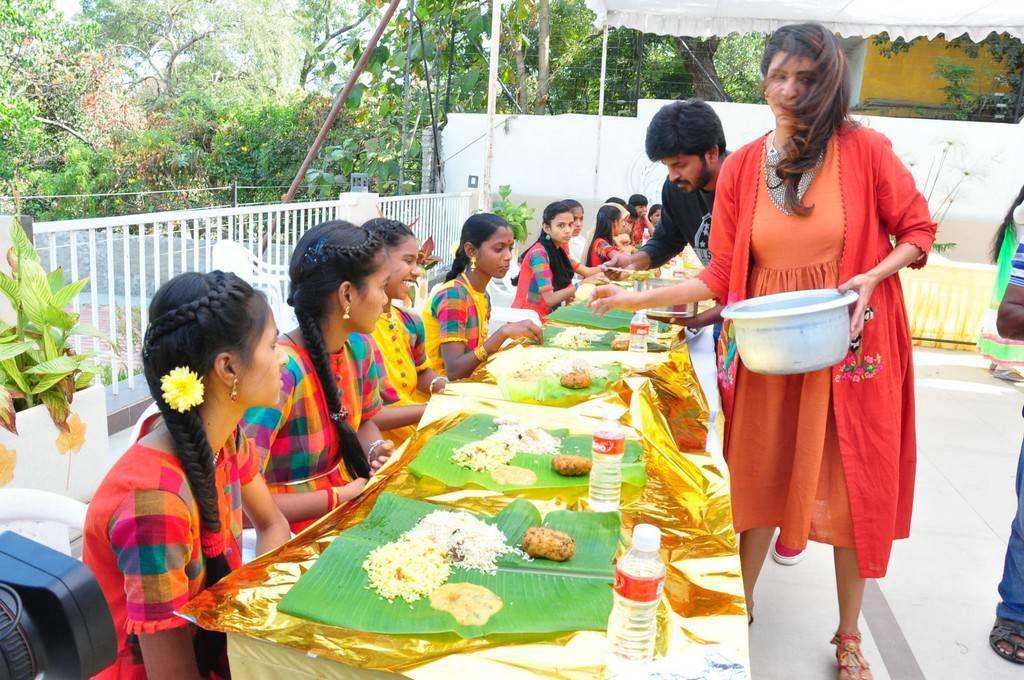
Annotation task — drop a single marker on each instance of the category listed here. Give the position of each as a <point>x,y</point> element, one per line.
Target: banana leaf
<point>579,314</point>
<point>599,341</point>
<point>538,596</point>
<point>434,461</point>
<point>548,390</point>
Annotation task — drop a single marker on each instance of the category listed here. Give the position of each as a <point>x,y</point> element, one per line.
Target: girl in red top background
<point>166,521</point>
<point>545,278</point>
<point>611,219</point>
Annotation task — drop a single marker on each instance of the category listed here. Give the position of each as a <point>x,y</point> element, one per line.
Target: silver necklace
<point>776,186</point>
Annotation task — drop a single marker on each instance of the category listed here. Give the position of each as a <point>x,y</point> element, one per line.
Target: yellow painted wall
<point>910,76</point>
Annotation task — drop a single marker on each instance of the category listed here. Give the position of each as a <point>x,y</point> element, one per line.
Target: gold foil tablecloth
<point>687,496</point>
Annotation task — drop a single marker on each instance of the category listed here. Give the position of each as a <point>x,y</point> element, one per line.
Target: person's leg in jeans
<point>1010,641</point>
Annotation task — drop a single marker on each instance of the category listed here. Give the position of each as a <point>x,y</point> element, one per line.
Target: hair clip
<point>315,253</point>
<point>339,417</point>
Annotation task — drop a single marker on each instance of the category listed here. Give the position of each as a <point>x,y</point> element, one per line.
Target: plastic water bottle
<point>606,468</point>
<point>639,583</point>
<point>639,330</point>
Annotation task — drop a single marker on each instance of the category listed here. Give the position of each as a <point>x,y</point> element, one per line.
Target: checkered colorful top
<point>535,278</point>
<point>297,440</point>
<point>142,540</point>
<point>456,313</point>
<point>1017,267</point>
<point>600,252</point>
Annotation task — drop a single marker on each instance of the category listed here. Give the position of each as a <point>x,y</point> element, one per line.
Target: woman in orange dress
<point>819,202</point>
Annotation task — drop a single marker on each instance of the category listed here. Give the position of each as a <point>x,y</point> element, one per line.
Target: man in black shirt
<point>687,137</point>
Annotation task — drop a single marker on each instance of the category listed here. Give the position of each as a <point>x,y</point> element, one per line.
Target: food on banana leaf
<point>574,338</point>
<point>577,379</point>
<point>408,568</point>
<point>584,292</point>
<point>420,560</point>
<point>468,603</point>
<point>481,456</point>
<point>620,343</point>
<point>514,475</point>
<point>571,466</point>
<point>548,544</point>
<point>497,449</point>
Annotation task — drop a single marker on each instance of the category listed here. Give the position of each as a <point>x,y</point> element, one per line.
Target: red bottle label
<point>639,588</point>
<point>641,329</point>
<point>609,443</point>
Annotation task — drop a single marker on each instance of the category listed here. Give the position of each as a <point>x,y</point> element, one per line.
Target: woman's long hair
<point>326,256</point>
<point>195,317</point>
<point>822,111</point>
<point>1006,227</point>
<point>558,259</point>
<point>477,229</point>
<point>607,216</point>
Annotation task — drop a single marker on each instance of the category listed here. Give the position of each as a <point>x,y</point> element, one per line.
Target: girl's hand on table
<point>526,330</point>
<point>343,494</point>
<point>608,298</point>
<point>864,286</point>
<point>380,454</point>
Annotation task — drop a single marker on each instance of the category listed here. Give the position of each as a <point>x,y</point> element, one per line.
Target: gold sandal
<point>852,664</point>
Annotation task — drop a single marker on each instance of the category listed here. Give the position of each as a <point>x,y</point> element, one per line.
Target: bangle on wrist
<point>332,498</point>
<point>481,353</point>
<point>374,445</point>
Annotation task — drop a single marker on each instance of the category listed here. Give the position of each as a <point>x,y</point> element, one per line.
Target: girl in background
<point>1006,355</point>
<point>457,315</point>
<point>611,218</point>
<point>578,242</point>
<point>166,521</point>
<point>545,279</point>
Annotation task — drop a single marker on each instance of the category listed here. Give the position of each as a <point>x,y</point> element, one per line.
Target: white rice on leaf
<point>469,542</point>
<point>410,568</point>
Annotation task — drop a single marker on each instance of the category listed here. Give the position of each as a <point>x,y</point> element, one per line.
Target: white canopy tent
<point>702,18</point>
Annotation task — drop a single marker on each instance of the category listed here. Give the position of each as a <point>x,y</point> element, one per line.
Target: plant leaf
<point>7,413</point>
<point>56,279</point>
<point>62,297</point>
<point>58,407</point>
<point>49,381</point>
<point>84,380</point>
<point>15,374</point>
<point>22,244</point>
<point>12,350</point>
<point>62,365</point>
<point>9,287</point>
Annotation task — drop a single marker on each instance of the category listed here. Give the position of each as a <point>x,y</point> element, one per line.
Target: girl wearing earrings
<point>457,315</point>
<point>545,280</point>
<point>319,445</point>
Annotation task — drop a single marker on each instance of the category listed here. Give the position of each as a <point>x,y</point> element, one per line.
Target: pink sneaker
<point>784,555</point>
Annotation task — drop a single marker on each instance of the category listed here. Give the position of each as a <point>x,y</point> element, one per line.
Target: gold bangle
<point>481,353</point>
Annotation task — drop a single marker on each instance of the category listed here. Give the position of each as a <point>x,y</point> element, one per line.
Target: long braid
<point>348,441</point>
<point>459,265</point>
<point>192,333</point>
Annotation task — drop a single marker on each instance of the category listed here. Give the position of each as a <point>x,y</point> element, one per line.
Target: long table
<point>702,620</point>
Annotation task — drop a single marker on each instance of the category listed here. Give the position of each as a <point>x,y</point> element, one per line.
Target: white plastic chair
<point>272,280</point>
<point>502,291</point>
<point>42,516</point>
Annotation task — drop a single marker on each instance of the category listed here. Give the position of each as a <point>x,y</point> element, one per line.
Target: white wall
<point>545,158</point>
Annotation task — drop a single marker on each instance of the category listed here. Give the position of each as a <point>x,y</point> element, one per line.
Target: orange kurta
<point>783,448</point>
<point>873,388</point>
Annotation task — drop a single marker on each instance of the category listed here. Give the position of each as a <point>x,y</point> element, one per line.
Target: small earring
<point>348,308</point>
<point>234,389</point>
<point>472,262</point>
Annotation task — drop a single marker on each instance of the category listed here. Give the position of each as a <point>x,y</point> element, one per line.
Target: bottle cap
<point>646,537</point>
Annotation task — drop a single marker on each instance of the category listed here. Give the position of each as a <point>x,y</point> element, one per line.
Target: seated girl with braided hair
<point>166,521</point>
<point>399,339</point>
<point>320,444</point>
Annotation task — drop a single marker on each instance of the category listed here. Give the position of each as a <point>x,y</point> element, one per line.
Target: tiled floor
<point>940,591</point>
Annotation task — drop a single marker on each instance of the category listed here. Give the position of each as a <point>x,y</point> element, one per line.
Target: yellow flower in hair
<point>182,389</point>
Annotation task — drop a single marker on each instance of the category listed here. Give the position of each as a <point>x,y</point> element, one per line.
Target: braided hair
<point>195,317</point>
<point>477,229</point>
<point>389,232</point>
<point>327,256</point>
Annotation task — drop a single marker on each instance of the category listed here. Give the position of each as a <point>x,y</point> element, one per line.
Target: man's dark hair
<point>637,200</point>
<point>688,127</point>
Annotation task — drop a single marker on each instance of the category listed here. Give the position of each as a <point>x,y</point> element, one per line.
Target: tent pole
<point>492,100</point>
<point>600,112</point>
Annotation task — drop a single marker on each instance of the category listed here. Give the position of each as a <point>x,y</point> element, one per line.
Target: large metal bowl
<point>666,314</point>
<point>790,333</point>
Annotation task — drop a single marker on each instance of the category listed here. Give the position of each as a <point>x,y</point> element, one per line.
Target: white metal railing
<point>127,257</point>
<point>437,215</point>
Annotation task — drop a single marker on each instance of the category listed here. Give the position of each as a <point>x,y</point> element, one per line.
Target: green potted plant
<point>517,216</point>
<point>50,410</point>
